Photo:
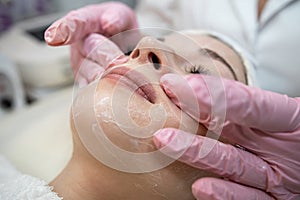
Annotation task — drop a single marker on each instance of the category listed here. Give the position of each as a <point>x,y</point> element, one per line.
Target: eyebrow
<point>216,56</point>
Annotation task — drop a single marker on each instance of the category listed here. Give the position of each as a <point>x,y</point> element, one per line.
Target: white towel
<point>17,186</point>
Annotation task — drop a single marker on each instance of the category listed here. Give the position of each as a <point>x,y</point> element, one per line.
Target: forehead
<point>188,43</point>
<point>184,45</point>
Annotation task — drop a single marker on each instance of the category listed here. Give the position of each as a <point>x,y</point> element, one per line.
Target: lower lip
<point>129,84</point>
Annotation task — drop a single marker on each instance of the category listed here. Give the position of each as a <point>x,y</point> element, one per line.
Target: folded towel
<point>16,186</point>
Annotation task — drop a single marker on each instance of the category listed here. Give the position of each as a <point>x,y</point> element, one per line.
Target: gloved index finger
<point>90,19</point>
<point>211,155</point>
<point>245,106</point>
<point>74,26</point>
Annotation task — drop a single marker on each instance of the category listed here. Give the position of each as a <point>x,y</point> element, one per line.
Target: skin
<point>260,7</point>
<point>85,177</point>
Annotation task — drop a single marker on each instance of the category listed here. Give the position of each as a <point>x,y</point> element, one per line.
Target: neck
<point>79,180</point>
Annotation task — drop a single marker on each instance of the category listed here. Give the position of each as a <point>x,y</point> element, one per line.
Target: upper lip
<point>136,81</point>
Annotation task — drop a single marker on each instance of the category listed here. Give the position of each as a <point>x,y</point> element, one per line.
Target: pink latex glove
<point>107,19</point>
<point>96,53</point>
<point>267,124</point>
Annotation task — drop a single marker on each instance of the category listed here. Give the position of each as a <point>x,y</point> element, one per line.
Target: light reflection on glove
<point>106,19</point>
<point>267,124</point>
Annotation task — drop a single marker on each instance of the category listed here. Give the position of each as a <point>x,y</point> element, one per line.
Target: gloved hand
<point>267,124</point>
<point>106,19</point>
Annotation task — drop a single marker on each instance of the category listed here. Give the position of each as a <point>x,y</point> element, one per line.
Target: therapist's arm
<point>266,124</point>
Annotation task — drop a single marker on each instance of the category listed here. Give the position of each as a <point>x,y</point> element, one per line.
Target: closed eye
<point>196,69</point>
<point>161,39</point>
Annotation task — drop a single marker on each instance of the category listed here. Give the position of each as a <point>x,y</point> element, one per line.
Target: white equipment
<point>41,67</point>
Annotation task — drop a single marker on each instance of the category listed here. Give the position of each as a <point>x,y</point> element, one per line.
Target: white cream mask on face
<point>86,111</point>
<point>99,116</point>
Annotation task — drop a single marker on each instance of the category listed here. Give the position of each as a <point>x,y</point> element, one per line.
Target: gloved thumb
<point>186,96</point>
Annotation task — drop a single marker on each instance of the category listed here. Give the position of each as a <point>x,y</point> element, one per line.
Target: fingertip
<point>54,37</point>
<point>197,189</point>
<point>169,79</point>
<point>174,82</point>
<point>204,189</point>
<point>174,143</point>
<point>162,137</point>
<point>120,60</point>
<point>169,82</point>
<point>48,36</point>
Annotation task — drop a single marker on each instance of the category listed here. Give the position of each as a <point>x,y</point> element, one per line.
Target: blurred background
<point>29,69</point>
<point>36,86</point>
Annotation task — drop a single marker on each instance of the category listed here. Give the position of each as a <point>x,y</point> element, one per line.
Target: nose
<point>150,50</point>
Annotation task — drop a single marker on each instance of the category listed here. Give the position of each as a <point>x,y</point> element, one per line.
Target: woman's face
<point>129,104</point>
<point>128,93</point>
